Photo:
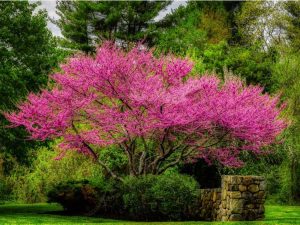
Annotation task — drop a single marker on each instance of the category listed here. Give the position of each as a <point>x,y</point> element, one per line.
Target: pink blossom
<point>115,98</point>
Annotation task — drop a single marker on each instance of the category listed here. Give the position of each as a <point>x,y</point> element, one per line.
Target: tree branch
<point>95,156</point>
<point>113,175</point>
<point>142,160</point>
<point>173,163</point>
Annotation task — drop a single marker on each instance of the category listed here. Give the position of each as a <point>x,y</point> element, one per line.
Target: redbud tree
<point>152,109</point>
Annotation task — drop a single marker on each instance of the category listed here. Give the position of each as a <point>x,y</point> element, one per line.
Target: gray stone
<point>224,218</point>
<point>224,194</point>
<point>237,210</point>
<point>262,186</point>
<point>233,188</point>
<point>235,194</point>
<point>239,179</point>
<point>250,206</point>
<point>246,195</point>
<point>252,214</point>
<point>259,201</point>
<point>261,194</point>
<point>236,204</point>
<point>242,187</point>
<point>223,204</point>
<point>214,197</point>
<point>261,209</point>
<point>253,188</point>
<point>235,217</point>
<point>241,198</point>
<point>247,180</point>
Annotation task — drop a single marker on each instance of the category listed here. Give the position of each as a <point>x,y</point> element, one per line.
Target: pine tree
<point>75,24</point>
<point>86,24</point>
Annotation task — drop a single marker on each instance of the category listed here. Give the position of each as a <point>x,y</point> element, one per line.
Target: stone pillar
<point>242,198</point>
<point>209,203</point>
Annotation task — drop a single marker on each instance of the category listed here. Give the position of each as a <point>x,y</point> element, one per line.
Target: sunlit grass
<point>52,214</point>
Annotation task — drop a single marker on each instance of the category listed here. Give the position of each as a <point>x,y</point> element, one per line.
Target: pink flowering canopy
<point>152,109</point>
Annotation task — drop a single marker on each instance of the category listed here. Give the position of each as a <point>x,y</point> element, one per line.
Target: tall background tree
<point>195,26</point>
<point>286,79</point>
<point>209,32</point>
<point>85,24</point>
<point>293,23</point>
<point>27,54</point>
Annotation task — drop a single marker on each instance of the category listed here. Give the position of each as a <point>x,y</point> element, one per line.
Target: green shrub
<point>4,192</point>
<point>168,196</point>
<point>164,197</point>
<point>30,185</point>
<point>103,198</point>
<point>75,196</point>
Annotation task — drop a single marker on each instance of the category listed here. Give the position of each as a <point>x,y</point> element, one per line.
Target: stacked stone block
<point>240,198</point>
<point>210,203</point>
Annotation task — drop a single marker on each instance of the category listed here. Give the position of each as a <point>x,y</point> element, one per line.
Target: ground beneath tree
<point>52,214</point>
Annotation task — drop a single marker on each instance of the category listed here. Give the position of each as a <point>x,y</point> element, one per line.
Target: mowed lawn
<point>50,214</point>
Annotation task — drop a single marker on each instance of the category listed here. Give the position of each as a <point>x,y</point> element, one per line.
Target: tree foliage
<point>287,76</point>
<point>152,110</point>
<point>27,54</point>
<point>193,27</point>
<point>86,23</point>
<point>261,22</point>
<point>215,36</point>
<point>293,25</point>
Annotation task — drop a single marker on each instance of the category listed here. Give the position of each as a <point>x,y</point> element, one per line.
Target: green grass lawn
<point>45,214</point>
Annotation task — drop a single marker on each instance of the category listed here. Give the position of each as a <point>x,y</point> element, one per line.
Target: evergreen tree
<point>27,54</point>
<point>75,24</point>
<point>85,24</point>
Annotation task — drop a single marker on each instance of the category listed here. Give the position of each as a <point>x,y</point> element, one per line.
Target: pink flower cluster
<point>117,97</point>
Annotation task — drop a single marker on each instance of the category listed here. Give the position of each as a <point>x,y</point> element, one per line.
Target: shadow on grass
<point>54,214</point>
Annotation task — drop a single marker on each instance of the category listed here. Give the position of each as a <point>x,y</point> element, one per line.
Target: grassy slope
<point>43,214</point>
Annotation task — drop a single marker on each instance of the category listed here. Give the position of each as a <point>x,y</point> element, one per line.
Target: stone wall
<point>239,198</point>
<point>209,203</point>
